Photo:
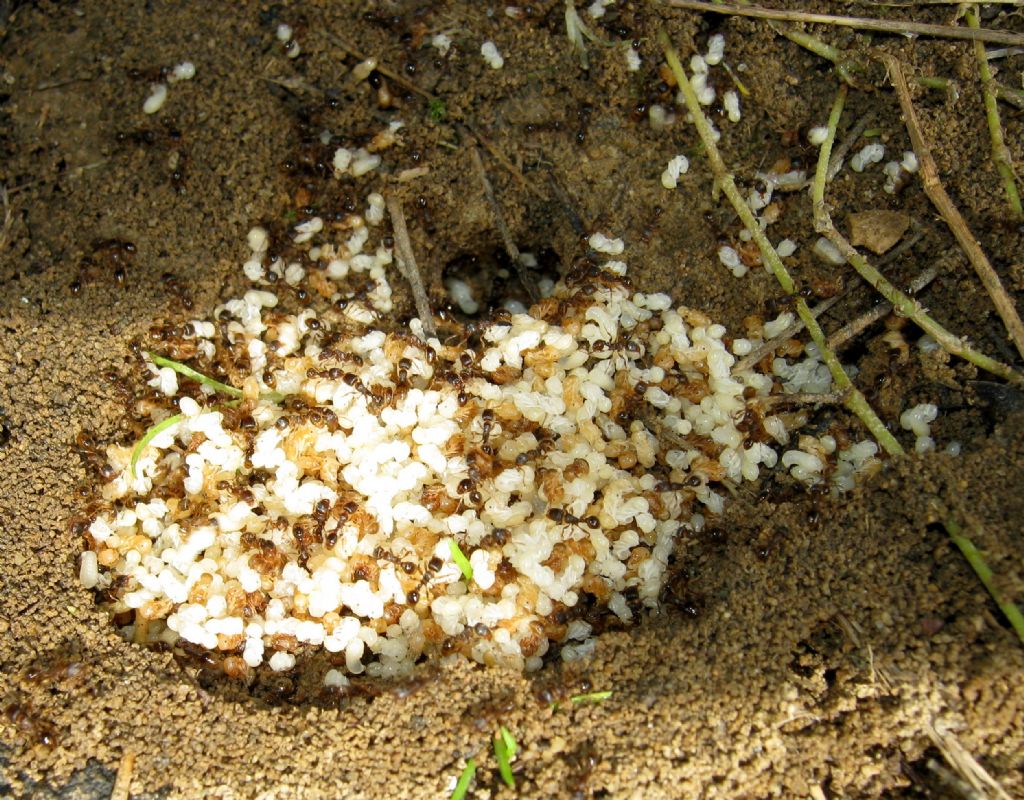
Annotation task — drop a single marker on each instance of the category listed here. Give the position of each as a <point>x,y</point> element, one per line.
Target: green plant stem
<point>591,697</point>
<point>901,303</point>
<point>150,435</point>
<point>950,87</point>
<point>504,751</point>
<point>853,399</point>
<point>930,82</point>
<point>981,568</point>
<point>188,372</point>
<point>1000,153</point>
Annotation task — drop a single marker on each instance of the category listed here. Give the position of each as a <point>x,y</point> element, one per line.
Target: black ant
<point>488,422</point>
<point>563,517</point>
<point>433,567</point>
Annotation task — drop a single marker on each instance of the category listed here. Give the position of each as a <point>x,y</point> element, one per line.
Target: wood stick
<point>506,234</point>
<point>863,23</point>
<point>949,212</point>
<point>123,779</point>
<point>771,345</point>
<point>407,265</point>
<point>865,320</point>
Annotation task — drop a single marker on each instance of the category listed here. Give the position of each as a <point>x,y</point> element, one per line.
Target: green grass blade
<point>504,758</point>
<point>188,372</point>
<point>591,697</point>
<point>510,742</point>
<point>150,435</point>
<point>464,780</point>
<point>460,560</point>
<point>984,573</point>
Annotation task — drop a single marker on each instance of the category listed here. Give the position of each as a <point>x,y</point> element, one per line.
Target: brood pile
<point>389,496</point>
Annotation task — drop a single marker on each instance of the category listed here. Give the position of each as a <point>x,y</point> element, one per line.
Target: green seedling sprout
<point>460,560</point>
<point>505,748</point>
<point>464,780</point>
<point>576,29</point>
<point>437,110</point>
<point>509,740</point>
<point>150,435</point>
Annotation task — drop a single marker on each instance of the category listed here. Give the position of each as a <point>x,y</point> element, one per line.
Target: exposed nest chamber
<point>389,497</point>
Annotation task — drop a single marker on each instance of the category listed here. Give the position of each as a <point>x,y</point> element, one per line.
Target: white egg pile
<point>388,497</point>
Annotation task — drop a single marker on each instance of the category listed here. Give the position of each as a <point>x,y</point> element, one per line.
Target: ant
<point>562,516</point>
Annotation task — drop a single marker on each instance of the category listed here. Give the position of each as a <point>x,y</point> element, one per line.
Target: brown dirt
<point>809,645</point>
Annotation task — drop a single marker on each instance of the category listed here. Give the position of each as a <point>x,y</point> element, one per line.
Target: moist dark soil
<point>807,645</point>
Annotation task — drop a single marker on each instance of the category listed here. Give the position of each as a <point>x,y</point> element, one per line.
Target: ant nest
<point>390,497</point>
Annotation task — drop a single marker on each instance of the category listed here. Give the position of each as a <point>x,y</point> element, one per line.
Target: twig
<point>853,399</point>
<point>506,234</point>
<point>1000,153</point>
<point>967,768</point>
<point>906,306</point>
<point>839,153</point>
<point>1010,95</point>
<point>984,573</point>
<point>915,3</point>
<point>1003,52</point>
<point>863,23</point>
<point>790,331</point>
<point>787,333</point>
<point>933,188</point>
<point>5,230</point>
<point>407,265</point>
<point>45,87</point>
<point>464,126</point>
<point>866,320</point>
<point>799,399</point>
<point>295,85</point>
<point>123,779</point>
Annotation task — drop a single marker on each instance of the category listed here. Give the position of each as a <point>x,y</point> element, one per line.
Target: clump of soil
<point>806,643</point>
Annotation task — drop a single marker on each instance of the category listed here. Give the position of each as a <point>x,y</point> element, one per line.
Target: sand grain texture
<point>810,645</point>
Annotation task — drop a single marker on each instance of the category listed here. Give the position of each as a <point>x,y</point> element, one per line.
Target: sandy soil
<point>811,647</point>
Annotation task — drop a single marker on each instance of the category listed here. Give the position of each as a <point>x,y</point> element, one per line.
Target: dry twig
<point>906,306</point>
<point>854,327</point>
<point>8,223</point>
<point>839,152</point>
<point>407,265</point>
<point>949,212</point>
<point>506,234</point>
<point>966,766</point>
<point>123,779</point>
<point>863,23</point>
<point>782,337</point>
